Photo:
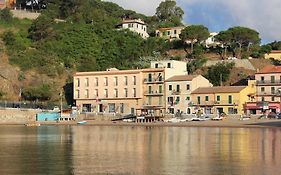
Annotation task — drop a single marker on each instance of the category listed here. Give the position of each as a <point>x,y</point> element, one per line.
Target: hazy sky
<point>261,15</point>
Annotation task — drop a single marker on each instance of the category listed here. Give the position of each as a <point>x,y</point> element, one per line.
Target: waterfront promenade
<point>19,117</point>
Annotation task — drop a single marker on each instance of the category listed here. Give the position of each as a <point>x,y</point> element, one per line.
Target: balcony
<point>216,103</point>
<point>176,92</point>
<point>153,80</point>
<point>276,93</point>
<point>153,93</point>
<point>268,82</point>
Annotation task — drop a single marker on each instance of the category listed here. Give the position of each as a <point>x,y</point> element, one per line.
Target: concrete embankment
<point>17,116</point>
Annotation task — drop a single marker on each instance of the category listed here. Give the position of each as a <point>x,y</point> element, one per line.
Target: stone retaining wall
<point>17,116</point>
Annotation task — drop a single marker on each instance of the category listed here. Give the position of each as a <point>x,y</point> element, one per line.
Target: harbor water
<point>139,150</point>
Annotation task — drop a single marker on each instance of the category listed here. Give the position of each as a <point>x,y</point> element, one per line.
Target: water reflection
<point>139,150</point>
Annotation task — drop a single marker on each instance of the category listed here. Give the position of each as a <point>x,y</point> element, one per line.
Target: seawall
<point>17,116</point>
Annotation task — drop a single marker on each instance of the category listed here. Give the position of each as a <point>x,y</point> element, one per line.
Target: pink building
<point>268,84</point>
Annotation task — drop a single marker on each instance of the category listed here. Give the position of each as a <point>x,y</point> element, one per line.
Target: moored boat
<point>32,124</point>
<point>82,122</point>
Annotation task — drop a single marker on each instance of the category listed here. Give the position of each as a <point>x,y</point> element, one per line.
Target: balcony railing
<point>153,93</point>
<point>216,103</point>
<point>266,93</point>
<point>154,80</point>
<point>268,82</point>
<point>176,92</point>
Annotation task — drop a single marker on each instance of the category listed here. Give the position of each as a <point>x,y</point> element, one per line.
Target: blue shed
<point>47,116</point>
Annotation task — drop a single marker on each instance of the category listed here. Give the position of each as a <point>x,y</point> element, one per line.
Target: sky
<point>261,15</point>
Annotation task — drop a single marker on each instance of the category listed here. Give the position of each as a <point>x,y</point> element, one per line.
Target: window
<point>96,92</point>
<point>273,98</point>
<point>160,101</point>
<point>87,93</point>
<point>170,87</point>
<point>230,99</point>
<point>122,108</point>
<point>272,90</point>
<point>77,94</point>
<point>126,92</point>
<point>156,65</point>
<point>106,93</point>
<point>134,92</point>
<point>106,81</point>
<point>116,93</point>
<point>170,100</point>
<point>262,79</point>
<point>280,79</point>
<point>177,100</point>
<point>188,87</point>
<point>262,98</point>
<point>160,78</point>
<point>149,100</point>
<point>149,89</point>
<point>272,79</point>
<point>187,98</point>
<point>87,82</point>
<point>218,98</point>
<point>178,88</point>
<point>168,32</point>
<point>126,80</point>
<point>111,107</point>
<point>149,77</point>
<point>116,81</point>
<point>169,65</point>
<point>134,80</point>
<point>160,89</point>
<point>206,98</point>
<point>96,81</point>
<point>78,82</point>
<point>198,100</point>
<point>175,31</point>
<point>262,89</point>
<point>230,111</point>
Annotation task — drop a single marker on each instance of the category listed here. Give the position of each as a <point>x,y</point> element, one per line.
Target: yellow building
<point>223,99</point>
<point>276,54</point>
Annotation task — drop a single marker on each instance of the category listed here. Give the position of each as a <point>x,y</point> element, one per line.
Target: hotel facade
<point>124,91</point>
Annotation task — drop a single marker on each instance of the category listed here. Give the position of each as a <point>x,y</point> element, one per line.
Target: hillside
<point>39,57</point>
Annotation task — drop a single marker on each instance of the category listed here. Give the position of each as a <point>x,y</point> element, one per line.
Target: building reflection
<point>31,150</point>
<point>166,150</point>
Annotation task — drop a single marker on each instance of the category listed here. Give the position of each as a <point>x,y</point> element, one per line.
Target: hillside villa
<point>276,54</point>
<point>135,25</point>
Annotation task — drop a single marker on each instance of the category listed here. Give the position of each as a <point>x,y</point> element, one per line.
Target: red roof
<point>270,69</point>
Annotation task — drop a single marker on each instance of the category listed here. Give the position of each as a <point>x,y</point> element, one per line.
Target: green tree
<point>276,45</point>
<point>6,15</point>
<point>219,73</point>
<point>169,13</point>
<point>41,28</point>
<point>9,38</point>
<point>225,38</point>
<point>41,93</point>
<point>193,34</point>
<point>244,37</point>
<point>193,65</point>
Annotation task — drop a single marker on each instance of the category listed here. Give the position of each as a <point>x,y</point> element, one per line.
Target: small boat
<point>82,122</point>
<point>32,124</point>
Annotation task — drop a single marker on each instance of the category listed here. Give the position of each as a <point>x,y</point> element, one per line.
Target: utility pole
<point>61,103</point>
